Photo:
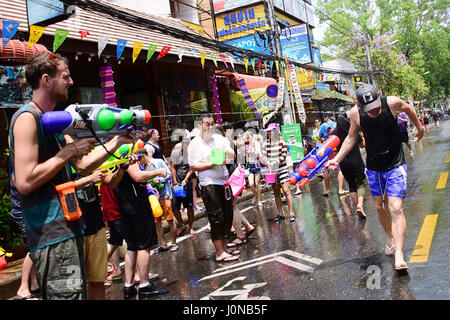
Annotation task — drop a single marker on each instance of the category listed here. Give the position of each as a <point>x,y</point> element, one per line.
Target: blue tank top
<point>41,210</point>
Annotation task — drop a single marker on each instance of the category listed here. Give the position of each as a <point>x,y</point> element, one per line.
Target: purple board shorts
<point>392,182</point>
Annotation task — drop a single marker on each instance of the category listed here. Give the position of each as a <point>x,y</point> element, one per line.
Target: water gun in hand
<point>4,254</point>
<point>121,155</point>
<point>153,198</point>
<point>90,120</point>
<point>314,162</point>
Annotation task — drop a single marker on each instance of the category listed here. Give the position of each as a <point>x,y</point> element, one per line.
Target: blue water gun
<point>314,161</point>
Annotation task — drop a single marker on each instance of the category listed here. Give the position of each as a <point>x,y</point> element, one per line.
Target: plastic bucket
<point>179,191</point>
<point>217,157</point>
<point>270,177</point>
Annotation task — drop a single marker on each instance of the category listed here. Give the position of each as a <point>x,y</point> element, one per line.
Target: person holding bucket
<point>206,155</point>
<point>274,153</point>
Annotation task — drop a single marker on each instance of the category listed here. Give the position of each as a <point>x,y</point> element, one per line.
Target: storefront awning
<point>252,82</point>
<point>319,94</point>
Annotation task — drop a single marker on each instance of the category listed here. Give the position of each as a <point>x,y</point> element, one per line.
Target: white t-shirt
<point>199,150</point>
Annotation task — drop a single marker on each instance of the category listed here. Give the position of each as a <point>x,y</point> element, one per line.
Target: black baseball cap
<point>368,97</point>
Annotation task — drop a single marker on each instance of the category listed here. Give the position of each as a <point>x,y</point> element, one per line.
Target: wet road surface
<point>328,252</point>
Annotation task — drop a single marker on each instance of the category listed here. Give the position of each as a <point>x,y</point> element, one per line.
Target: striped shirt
<point>275,151</point>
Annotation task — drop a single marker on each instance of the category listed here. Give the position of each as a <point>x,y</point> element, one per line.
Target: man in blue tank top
<point>375,116</point>
<point>41,161</point>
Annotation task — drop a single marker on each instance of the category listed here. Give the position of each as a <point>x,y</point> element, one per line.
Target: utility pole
<point>274,27</point>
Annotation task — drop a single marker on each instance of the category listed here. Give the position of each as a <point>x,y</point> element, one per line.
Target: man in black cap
<point>386,166</point>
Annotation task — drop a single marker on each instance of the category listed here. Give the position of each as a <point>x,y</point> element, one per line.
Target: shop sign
<point>292,133</point>
<point>295,44</point>
<point>226,5</point>
<point>306,78</point>
<point>249,43</point>
<point>241,23</point>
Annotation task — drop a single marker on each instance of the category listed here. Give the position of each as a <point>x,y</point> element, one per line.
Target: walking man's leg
<point>386,222</point>
<point>398,229</point>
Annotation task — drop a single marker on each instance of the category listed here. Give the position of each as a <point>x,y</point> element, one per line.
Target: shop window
<point>180,108</point>
<point>14,90</point>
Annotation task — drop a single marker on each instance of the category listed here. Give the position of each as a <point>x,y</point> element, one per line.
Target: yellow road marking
<point>442,180</point>
<point>423,243</point>
<point>447,159</point>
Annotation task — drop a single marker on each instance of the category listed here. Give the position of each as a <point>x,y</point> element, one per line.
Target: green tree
<point>420,28</point>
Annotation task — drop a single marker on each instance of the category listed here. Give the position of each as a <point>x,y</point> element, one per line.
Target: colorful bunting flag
<point>214,57</point>
<point>83,34</point>
<point>163,52</point>
<point>259,65</point>
<point>102,42</point>
<point>246,64</point>
<point>247,97</point>
<point>202,59</point>
<point>180,55</point>
<point>35,33</point>
<point>151,51</point>
<point>222,57</point>
<point>253,64</point>
<point>194,52</point>
<point>9,30</point>
<point>232,62</point>
<point>121,44</point>
<point>60,36</point>
<point>271,64</point>
<point>137,47</point>
<point>277,65</point>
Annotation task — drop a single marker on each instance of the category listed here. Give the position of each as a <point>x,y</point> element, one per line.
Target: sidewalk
<point>10,277</point>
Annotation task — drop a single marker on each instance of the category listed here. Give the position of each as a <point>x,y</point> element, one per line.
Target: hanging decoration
<point>137,47</point>
<point>121,44</point>
<point>222,57</point>
<point>214,57</point>
<point>9,30</point>
<point>35,33</point>
<point>60,37</point>
<point>202,59</point>
<point>246,64</point>
<point>83,34</point>
<point>277,65</point>
<point>297,94</point>
<point>102,42</point>
<point>253,64</point>
<point>194,52</point>
<point>248,97</point>
<point>163,52</point>
<point>107,84</point>
<point>231,61</point>
<point>216,101</point>
<point>151,51</point>
<point>259,65</point>
<point>180,55</point>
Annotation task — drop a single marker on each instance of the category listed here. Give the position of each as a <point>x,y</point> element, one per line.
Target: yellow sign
<point>306,78</point>
<point>241,23</point>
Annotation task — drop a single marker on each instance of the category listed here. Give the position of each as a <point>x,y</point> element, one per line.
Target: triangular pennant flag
<point>232,62</point>
<point>35,33</point>
<point>60,36</point>
<point>222,57</point>
<point>271,64</point>
<point>282,64</point>
<point>102,42</point>
<point>163,52</point>
<point>259,65</point>
<point>137,47</point>
<point>194,52</point>
<point>180,54</point>
<point>253,64</point>
<point>246,64</point>
<point>202,59</point>
<point>151,51</point>
<point>9,30</point>
<point>83,34</point>
<point>276,65</point>
<point>214,57</point>
<point>121,44</point>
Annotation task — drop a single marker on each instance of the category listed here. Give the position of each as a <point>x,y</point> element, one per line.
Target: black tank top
<point>383,139</point>
<point>158,151</point>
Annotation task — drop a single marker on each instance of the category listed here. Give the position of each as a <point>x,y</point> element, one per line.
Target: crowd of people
<point>121,205</point>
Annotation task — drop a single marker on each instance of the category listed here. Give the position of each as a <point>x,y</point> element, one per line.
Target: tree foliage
<point>420,28</point>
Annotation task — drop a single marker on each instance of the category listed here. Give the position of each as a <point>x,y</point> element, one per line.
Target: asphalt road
<point>328,253</point>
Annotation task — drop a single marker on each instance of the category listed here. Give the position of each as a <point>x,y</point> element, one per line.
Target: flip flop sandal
<point>402,271</point>
<point>292,219</point>
<point>181,231</point>
<point>389,249</point>
<point>248,233</point>
<point>236,242</point>
<point>234,252</point>
<point>360,214</point>
<point>30,297</point>
<point>228,259</point>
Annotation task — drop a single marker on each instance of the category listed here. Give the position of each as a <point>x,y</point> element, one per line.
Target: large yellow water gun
<point>4,254</point>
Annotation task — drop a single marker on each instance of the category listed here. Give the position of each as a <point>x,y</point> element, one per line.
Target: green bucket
<point>217,157</point>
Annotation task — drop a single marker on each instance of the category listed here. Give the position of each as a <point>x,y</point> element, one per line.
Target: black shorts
<point>356,184</point>
<point>187,201</point>
<point>140,231</point>
<point>117,232</point>
<point>20,225</point>
<point>219,211</point>
<point>404,137</point>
